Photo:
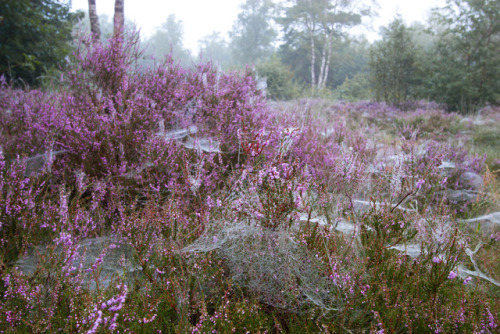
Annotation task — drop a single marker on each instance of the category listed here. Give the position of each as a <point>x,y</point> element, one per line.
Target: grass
<point>486,141</point>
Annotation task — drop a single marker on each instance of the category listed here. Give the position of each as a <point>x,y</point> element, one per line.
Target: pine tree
<point>393,65</point>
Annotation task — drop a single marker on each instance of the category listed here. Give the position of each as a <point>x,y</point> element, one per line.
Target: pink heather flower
<point>444,181</point>
<point>435,259</point>
<point>6,280</point>
<point>258,215</point>
<point>467,280</point>
<point>419,183</point>
<point>491,319</point>
<point>452,275</point>
<point>496,236</point>
<point>210,202</point>
<point>96,323</point>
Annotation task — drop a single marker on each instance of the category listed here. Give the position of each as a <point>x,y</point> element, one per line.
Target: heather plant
<point>434,124</point>
<point>53,297</point>
<point>26,209</point>
<point>179,200</point>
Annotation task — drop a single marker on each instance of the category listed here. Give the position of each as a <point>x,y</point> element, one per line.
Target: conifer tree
<point>393,65</point>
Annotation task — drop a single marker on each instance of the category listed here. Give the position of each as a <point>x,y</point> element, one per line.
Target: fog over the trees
<point>201,17</point>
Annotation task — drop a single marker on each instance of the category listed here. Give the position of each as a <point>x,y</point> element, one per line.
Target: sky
<point>202,17</point>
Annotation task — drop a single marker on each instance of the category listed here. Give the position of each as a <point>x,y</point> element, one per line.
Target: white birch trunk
<point>326,65</point>
<point>313,60</point>
<point>323,64</point>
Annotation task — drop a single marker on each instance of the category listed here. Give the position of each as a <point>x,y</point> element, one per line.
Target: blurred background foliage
<point>35,38</point>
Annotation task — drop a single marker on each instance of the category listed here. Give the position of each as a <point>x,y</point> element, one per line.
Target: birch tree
<point>119,19</point>
<point>319,22</point>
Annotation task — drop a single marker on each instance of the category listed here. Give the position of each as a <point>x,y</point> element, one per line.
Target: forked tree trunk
<point>325,64</point>
<point>322,66</point>
<point>94,21</point>
<point>119,20</point>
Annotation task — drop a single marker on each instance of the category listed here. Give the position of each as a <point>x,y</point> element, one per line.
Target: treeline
<point>301,47</point>
<point>455,60</point>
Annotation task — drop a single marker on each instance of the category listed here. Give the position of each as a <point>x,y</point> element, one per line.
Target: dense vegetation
<point>146,196</point>
<point>177,200</point>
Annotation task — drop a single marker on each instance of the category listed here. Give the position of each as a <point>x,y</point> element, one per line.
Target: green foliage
<point>279,78</point>
<point>393,65</point>
<point>488,137</point>
<point>487,141</point>
<point>35,37</point>
<point>464,71</point>
<point>312,30</point>
<point>354,89</point>
<point>294,53</point>
<point>456,61</point>
<point>433,124</point>
<point>350,56</point>
<point>252,36</point>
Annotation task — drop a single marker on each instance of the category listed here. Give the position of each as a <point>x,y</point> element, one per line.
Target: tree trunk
<point>94,21</point>
<point>313,60</point>
<point>119,20</point>
<point>328,59</point>
<point>311,27</point>
<point>323,63</point>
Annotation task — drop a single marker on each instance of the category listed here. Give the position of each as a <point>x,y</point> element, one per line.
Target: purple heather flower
<point>419,183</point>
<point>492,323</point>
<point>443,182</point>
<point>452,275</point>
<point>467,280</point>
<point>435,259</point>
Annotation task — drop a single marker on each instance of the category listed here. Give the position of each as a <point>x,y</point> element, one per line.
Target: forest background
<point>301,48</point>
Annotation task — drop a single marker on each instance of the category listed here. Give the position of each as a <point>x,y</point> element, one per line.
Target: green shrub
<point>279,79</point>
<point>356,88</point>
